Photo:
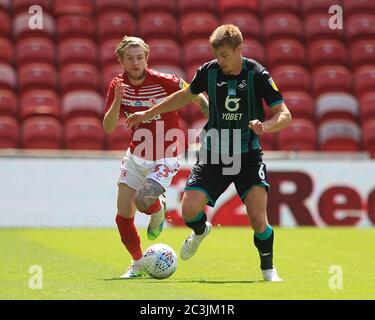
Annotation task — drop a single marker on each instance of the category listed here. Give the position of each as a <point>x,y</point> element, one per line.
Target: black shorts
<point>209,178</point>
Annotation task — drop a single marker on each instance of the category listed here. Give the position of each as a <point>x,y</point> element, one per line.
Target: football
<point>159,261</point>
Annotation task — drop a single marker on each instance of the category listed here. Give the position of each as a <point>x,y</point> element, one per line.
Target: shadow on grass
<point>148,280</point>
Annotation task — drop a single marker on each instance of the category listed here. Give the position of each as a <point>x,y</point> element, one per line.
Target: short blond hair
<point>131,42</point>
<point>226,34</point>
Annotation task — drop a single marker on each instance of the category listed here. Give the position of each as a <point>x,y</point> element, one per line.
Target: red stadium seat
<point>21,27</point>
<point>286,51</point>
<point>248,23</point>
<point>9,132</point>
<point>197,51</point>
<point>360,27</point>
<point>8,77</point>
<point>362,52</point>
<point>164,51</point>
<point>39,102</point>
<point>254,50</point>
<point>115,5</point>
<point>280,6</point>
<point>79,76</point>
<point>5,24</point>
<point>332,78</point>
<point>300,104</point>
<point>35,50</point>
<point>354,6</point>
<point>197,6</point>
<point>24,5</point>
<point>84,134</point>
<point>327,51</point>
<point>228,6</point>
<point>37,76</point>
<point>107,51</point>
<point>6,51</point>
<point>301,135</point>
<point>190,72</point>
<point>364,78</point>
<point>69,26</point>
<point>84,7</point>
<point>109,72</point>
<point>78,50</point>
<point>8,103</point>
<point>82,103</point>
<point>146,6</point>
<point>317,27</point>
<point>340,135</point>
<point>5,5</point>
<point>291,77</point>
<point>337,105</point>
<point>369,137</point>
<point>120,138</point>
<point>197,25</point>
<point>115,25</point>
<point>367,106</point>
<point>317,6</point>
<point>267,141</point>
<point>283,25</point>
<point>158,25</point>
<point>41,133</point>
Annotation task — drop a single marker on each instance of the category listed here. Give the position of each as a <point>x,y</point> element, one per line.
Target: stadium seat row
<point>82,76</point>
<point>193,52</point>
<point>259,7</point>
<point>86,133</point>
<point>159,24</point>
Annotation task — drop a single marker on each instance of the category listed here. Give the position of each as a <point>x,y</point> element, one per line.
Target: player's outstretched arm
<point>202,102</point>
<point>280,120</point>
<point>173,102</point>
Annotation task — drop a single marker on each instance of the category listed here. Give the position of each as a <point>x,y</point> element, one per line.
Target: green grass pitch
<point>86,263</point>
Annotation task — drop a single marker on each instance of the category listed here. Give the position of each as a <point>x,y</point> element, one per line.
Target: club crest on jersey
<point>153,101</point>
<point>232,104</point>
<point>242,85</point>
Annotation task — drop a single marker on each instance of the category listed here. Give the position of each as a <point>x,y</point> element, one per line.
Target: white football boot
<point>155,226</point>
<point>135,270</point>
<point>191,244</point>
<point>271,275</point>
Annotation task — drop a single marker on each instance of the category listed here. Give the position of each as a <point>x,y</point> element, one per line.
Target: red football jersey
<point>154,142</point>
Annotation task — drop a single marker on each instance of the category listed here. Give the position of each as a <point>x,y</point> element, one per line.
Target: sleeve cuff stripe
<point>276,103</point>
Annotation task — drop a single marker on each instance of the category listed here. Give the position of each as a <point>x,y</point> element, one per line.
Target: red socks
<point>129,236</point>
<point>155,207</point>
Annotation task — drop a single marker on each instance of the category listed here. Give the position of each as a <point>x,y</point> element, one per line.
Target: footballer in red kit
<point>151,161</point>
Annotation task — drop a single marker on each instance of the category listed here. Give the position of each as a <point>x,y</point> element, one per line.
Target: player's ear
<point>239,48</point>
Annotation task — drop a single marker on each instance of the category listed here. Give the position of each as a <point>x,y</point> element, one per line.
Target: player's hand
<point>119,90</point>
<point>133,120</point>
<point>257,127</point>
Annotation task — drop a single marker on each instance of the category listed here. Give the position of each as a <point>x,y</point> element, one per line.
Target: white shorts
<point>134,171</point>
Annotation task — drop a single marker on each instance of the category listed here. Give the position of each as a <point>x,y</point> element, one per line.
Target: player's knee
<point>141,203</point>
<point>258,223</point>
<point>189,211</point>
<point>124,212</point>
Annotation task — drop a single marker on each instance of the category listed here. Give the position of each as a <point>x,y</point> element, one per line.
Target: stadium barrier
<point>78,189</point>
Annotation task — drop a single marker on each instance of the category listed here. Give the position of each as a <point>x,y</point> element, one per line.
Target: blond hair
<point>226,34</point>
<point>131,42</point>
